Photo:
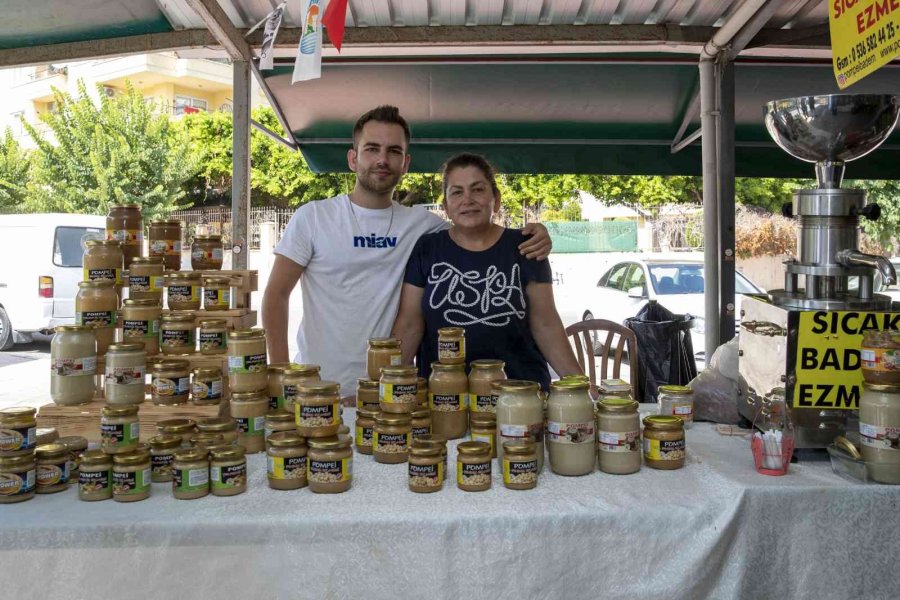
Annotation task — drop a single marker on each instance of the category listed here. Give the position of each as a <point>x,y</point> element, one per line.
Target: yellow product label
<point>473,473</point>
<point>865,35</point>
<point>127,237</point>
<point>398,393</point>
<point>447,402</point>
<point>330,471</point>
<point>391,442</point>
<point>452,348</point>
<point>519,471</point>
<point>103,274</point>
<point>663,450</point>
<point>317,416</point>
<point>363,436</point>
<point>286,468</point>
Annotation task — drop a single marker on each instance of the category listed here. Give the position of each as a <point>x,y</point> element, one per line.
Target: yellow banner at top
<point>865,35</point>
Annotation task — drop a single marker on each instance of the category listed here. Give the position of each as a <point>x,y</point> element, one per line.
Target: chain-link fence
<point>217,220</point>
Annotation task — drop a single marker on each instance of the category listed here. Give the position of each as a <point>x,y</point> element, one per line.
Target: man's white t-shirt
<point>354,261</point>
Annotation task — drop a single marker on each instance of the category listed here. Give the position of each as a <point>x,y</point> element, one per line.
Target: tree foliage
<point>15,173</point>
<point>886,193</point>
<point>111,151</point>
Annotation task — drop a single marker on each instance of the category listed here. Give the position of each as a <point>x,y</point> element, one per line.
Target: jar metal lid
<point>95,457</point>
<point>515,385</point>
<point>180,425</point>
<point>279,416</point>
<point>570,384</point>
<point>304,369</point>
<point>217,281</point>
<point>184,275</point>
<point>51,450</point>
<point>286,439</point>
<point>73,443</point>
<point>116,410</point>
<point>209,323</point>
<point>436,438</point>
<point>141,303</point>
<point>518,447</point>
<point>393,419</point>
<point>675,390</point>
<point>126,206</point>
<point>890,388</point>
<point>425,451</point>
<point>123,347</point>
<point>207,438</point>
<point>135,457</point>
<point>73,328</point>
<point>213,424</point>
<point>148,260</point>
<point>617,405</point>
<point>172,364</point>
<point>329,443</point>
<point>469,448</point>
<point>17,412</point>
<point>214,237</point>
<point>483,418</point>
<point>451,332</point>
<point>97,283</point>
<point>575,378</point>
<point>250,396</point>
<point>663,422</point>
<point>438,366</point>
<point>165,441</point>
<point>487,363</point>
<point>422,413</point>
<point>399,371</point>
<point>191,454</point>
<point>227,452</point>
<point>246,334</point>
<point>367,384</point>
<point>279,367</point>
<point>367,413</point>
<point>318,387</point>
<point>166,222</point>
<point>12,462</point>
<point>207,372</point>
<point>180,316</point>
<point>384,342</point>
<point>109,243</point>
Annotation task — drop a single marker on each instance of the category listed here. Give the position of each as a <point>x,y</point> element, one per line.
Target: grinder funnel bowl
<point>831,130</point>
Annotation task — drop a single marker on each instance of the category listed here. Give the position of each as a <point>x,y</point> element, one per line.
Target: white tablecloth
<point>714,529</point>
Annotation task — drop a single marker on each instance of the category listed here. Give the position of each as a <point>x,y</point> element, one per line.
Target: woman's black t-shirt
<point>483,292</point>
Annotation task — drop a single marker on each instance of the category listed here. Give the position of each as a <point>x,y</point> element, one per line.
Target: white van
<point>39,271</point>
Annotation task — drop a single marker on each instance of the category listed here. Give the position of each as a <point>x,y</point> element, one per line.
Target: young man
<point>350,253</point>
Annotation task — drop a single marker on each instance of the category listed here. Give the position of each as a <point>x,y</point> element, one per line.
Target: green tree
<point>885,193</point>
<point>15,173</point>
<point>117,150</point>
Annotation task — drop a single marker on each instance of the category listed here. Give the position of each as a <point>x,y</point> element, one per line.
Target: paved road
<point>39,348</point>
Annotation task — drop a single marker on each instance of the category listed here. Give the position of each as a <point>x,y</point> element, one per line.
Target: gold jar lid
<point>227,452</point>
<point>279,416</point>
<point>399,371</point>
<point>214,237</point>
<point>147,260</point>
<point>73,443</point>
<point>217,281</point>
<point>125,347</point>
<point>179,425</point>
<point>566,385</point>
<point>488,363</point>
<point>422,413</point>
<point>469,448</point>
<point>367,384</point>
<point>17,413</point>
<point>13,462</point>
<point>95,457</point>
<point>425,451</point>
<point>207,372</point>
<point>329,443</point>
<point>141,303</point>
<point>191,454</point>
<point>246,334</point>
<point>165,441</point>
<point>617,405</point>
<point>207,438</point>
<point>214,424</point>
<point>438,366</point>
<point>393,419</point>
<point>279,367</point>
<point>250,396</point>
<point>55,450</point>
<point>675,390</point>
<point>286,439</point>
<point>97,283</point>
<point>384,342</point>
<point>515,385</point>
<point>73,328</point>
<point>367,413</point>
<point>171,364</point>
<point>180,316</point>
<point>889,388</point>
<point>135,457</point>
<point>209,323</point>
<point>103,243</point>
<point>663,422</point>
<point>518,447</point>
<point>451,332</point>
<point>431,440</point>
<point>166,222</point>
<point>303,369</point>
<point>184,275</point>
<point>318,387</point>
<point>584,378</point>
<point>483,418</point>
<point>126,206</point>
<point>117,410</point>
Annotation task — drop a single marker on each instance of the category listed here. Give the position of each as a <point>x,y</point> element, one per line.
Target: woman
<point>473,276</point>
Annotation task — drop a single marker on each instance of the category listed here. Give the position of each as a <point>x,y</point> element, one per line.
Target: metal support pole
<point>708,115</point>
<point>240,175</point>
<point>725,199</point>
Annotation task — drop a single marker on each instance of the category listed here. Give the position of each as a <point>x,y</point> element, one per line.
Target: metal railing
<point>217,220</point>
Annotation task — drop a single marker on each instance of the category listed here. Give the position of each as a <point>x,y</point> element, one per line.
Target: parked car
<point>676,284</point>
<point>40,271</point>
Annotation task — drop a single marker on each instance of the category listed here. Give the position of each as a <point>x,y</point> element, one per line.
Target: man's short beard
<point>370,185</point>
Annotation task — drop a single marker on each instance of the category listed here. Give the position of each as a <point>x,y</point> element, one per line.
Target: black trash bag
<point>665,351</point>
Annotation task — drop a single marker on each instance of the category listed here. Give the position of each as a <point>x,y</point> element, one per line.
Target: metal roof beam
<point>222,29</point>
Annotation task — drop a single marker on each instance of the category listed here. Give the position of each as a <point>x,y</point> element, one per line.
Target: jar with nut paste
<point>165,242</point>
<point>162,456</point>
<point>329,465</point>
<point>205,441</point>
<point>46,435</point>
<point>473,466</point>
<point>677,401</point>
<point>182,427</point>
<point>484,372</point>
<point>483,428</point>
<point>286,465</point>
<point>397,389</point>
<point>207,253</point>
<point>520,415</point>
<point>392,437</point>
<point>170,381</point>
<point>436,440</point>
<point>178,333</point>
<point>278,421</point>
<point>120,429</point>
<point>367,394</point>
<point>452,346</point>
<point>126,370</point>
<point>18,478</point>
<point>18,431</point>
<point>125,224</point>
<point>216,293</point>
<point>183,290</point>
<point>146,280</point>
<point>317,408</point>
<point>52,468</point>
<point>421,422</point>
<point>213,336</point>
<point>297,375</point>
<point>75,445</point>
<point>131,476</point>
<point>619,436</point>
<point>365,429</point>
<point>190,473</point>
<point>140,323</point>
<point>448,391</point>
<point>425,470</point>
<point>73,363</point>
<point>247,360</point>
<point>879,431</point>
<point>422,393</point>
<point>103,260</point>
<point>520,464</point>
<point>249,410</point>
<point>664,446</point>
<point>382,352</point>
<point>224,426</point>
<point>228,471</point>
<point>276,373</point>
<point>880,357</point>
<point>571,431</point>
<point>96,305</point>
<point>95,476</point>
<point>206,386</point>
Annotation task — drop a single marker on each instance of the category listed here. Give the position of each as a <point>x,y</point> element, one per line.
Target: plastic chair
<point>582,334</point>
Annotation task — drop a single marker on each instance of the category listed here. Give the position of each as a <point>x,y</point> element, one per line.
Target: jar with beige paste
<point>73,364</point>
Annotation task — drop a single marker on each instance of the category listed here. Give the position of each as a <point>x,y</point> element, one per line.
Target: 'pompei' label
<point>570,433</point>
<point>317,416</point>
<point>663,450</point>
<point>617,441</point>
<point>66,367</point>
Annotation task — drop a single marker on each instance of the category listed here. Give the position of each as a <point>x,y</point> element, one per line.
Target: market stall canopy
<point>601,86</point>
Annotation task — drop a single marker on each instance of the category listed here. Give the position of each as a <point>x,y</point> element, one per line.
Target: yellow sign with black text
<point>865,35</point>
<point>827,368</point>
